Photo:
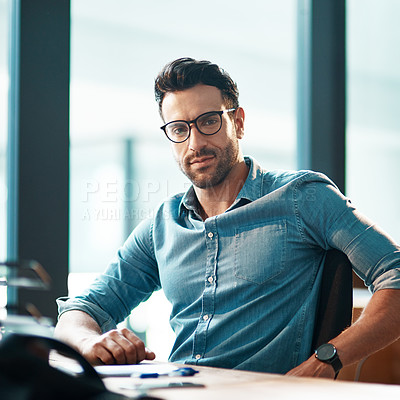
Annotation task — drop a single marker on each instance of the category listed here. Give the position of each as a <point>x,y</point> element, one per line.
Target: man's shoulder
<point>281,177</point>
<point>276,179</point>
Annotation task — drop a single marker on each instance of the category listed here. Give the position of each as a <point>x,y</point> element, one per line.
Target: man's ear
<point>239,122</point>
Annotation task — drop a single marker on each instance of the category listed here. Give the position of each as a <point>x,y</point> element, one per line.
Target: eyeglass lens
<point>207,124</point>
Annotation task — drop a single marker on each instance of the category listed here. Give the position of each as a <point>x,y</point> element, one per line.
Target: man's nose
<point>196,139</point>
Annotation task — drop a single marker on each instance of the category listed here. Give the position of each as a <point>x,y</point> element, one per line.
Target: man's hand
<point>313,367</point>
<point>119,346</point>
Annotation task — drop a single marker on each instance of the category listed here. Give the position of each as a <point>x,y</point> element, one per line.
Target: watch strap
<point>336,364</point>
<point>334,360</point>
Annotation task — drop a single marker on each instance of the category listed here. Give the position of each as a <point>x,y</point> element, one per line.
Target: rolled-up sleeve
<point>130,279</point>
<point>373,253</point>
<point>330,220</point>
<point>103,319</point>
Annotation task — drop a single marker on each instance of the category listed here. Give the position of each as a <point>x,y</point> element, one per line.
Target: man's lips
<point>201,161</point>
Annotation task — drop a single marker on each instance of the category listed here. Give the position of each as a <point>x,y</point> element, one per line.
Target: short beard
<point>226,162</point>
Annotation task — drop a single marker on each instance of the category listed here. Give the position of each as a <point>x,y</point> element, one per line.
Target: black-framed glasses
<point>208,124</point>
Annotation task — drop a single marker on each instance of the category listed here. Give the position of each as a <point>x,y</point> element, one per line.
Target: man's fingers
<point>133,346</point>
<point>150,355</point>
<point>99,354</point>
<point>138,352</point>
<point>112,343</point>
<point>119,346</point>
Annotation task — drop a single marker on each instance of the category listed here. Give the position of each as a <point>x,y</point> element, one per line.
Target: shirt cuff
<point>105,322</point>
<point>388,280</point>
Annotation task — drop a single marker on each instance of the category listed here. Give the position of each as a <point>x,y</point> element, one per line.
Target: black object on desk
<point>25,372</point>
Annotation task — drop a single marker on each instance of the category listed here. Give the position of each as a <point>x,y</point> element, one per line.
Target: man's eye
<point>179,130</point>
<point>210,121</point>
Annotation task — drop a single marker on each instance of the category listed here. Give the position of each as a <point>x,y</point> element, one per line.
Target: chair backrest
<point>335,306</point>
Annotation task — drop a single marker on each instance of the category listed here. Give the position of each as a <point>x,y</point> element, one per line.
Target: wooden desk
<point>233,384</point>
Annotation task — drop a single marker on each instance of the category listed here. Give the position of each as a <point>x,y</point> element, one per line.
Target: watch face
<point>326,352</point>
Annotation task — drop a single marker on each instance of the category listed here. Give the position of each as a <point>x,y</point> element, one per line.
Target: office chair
<point>335,306</point>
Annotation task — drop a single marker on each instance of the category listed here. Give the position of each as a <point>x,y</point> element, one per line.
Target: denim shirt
<point>243,284</point>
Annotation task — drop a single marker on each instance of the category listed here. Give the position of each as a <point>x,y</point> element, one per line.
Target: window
<point>373,127</point>
<point>121,166</point>
<point>3,133</point>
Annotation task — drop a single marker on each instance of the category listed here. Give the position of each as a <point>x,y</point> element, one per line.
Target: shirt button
<point>205,317</point>
<point>210,235</point>
<point>198,356</point>
<point>210,279</point>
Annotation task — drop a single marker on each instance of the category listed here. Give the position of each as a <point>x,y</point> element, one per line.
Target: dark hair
<point>185,73</point>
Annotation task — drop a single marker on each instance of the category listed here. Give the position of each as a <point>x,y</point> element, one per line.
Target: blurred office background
<point>120,162</point>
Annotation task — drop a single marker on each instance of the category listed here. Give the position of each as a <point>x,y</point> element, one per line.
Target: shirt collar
<point>251,190</point>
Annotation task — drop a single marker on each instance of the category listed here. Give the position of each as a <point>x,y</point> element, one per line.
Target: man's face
<point>205,160</point>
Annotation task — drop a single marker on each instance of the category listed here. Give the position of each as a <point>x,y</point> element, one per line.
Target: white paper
<point>134,369</point>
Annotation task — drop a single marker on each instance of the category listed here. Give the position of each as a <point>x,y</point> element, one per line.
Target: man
<point>239,255</point>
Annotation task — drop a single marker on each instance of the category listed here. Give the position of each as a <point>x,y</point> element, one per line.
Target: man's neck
<point>217,199</point>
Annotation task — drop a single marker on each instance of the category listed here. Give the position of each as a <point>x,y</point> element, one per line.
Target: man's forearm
<point>377,327</point>
<point>75,326</point>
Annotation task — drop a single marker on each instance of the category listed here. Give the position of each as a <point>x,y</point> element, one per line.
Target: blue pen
<point>178,372</point>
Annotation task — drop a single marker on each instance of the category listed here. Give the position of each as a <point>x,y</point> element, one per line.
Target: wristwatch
<point>327,353</point>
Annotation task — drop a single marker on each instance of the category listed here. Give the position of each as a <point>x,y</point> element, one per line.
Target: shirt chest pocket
<point>260,251</point>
